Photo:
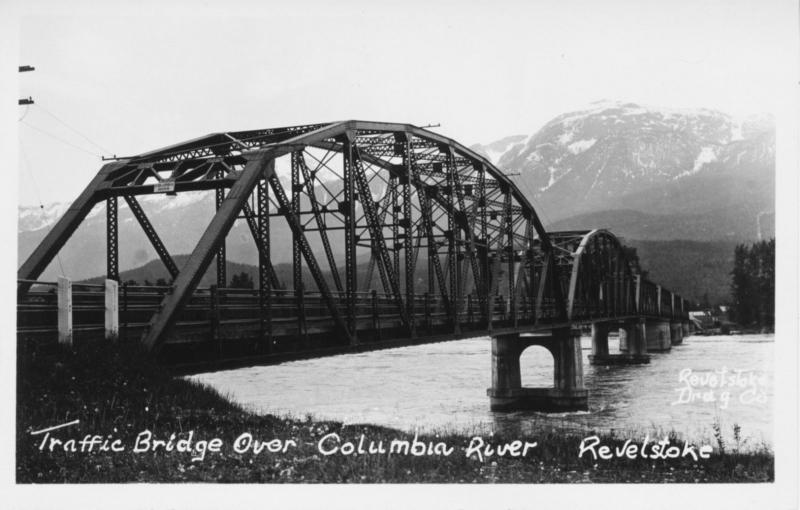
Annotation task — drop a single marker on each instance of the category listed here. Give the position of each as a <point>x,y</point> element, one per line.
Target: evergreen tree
<point>753,284</point>
<point>242,280</point>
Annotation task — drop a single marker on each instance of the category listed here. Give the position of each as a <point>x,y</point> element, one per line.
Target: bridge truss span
<point>397,234</point>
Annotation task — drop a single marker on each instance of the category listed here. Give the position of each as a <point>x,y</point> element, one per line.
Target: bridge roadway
<point>458,250</point>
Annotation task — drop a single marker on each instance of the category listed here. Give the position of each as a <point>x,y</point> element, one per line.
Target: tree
<point>242,280</point>
<point>633,259</point>
<point>753,284</point>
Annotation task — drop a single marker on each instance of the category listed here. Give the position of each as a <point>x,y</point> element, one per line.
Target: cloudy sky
<point>129,79</point>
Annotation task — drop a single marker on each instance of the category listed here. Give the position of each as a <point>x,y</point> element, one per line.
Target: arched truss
<point>602,282</point>
<point>429,214</point>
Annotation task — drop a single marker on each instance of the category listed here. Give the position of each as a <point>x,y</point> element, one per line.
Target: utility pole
<point>29,100</point>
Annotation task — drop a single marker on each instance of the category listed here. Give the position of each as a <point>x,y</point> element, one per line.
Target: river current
<point>707,382</point>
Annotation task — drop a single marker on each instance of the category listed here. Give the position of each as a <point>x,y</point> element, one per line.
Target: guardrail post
<point>489,311</point>
<point>302,326</point>
<point>125,311</point>
<point>112,309</point>
<point>376,321</point>
<point>428,312</point>
<point>658,302</point>
<point>470,312</point>
<point>214,317</point>
<point>672,305</point>
<point>638,293</point>
<point>64,311</point>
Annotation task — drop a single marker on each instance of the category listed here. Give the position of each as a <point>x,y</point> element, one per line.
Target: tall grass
<point>119,391</point>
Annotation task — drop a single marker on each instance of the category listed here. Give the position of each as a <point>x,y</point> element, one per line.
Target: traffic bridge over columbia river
<point>458,250</point>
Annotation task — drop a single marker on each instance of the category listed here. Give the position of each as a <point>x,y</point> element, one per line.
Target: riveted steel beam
<point>112,240</point>
<point>151,234</point>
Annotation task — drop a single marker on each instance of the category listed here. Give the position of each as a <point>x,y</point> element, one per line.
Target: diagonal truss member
<point>151,234</point>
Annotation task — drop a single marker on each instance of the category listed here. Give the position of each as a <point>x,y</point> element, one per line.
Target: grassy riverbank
<point>117,393</point>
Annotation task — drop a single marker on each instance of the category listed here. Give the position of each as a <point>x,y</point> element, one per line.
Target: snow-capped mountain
<point>34,217</point>
<point>623,156</point>
<point>495,150</point>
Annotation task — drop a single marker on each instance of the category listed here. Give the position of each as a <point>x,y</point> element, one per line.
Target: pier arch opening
<point>537,367</point>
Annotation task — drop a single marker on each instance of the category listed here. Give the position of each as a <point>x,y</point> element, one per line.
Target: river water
<point>709,381</point>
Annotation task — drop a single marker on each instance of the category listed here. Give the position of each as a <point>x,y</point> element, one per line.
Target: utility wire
<point>38,196</point>
<point>48,112</point>
<point>60,139</point>
<point>27,107</point>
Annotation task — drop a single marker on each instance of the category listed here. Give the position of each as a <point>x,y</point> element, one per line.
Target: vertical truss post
<point>509,227</point>
<point>453,237</point>
<point>408,222</point>
<point>112,239</point>
<point>265,288</point>
<point>297,259</point>
<point>349,211</point>
<point>484,290</point>
<point>531,269</point>
<point>395,227</point>
<point>222,277</point>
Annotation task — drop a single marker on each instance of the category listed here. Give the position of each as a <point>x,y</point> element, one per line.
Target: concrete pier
<point>658,335</point>
<point>567,393</point>
<point>600,354</point>
<point>676,333</point>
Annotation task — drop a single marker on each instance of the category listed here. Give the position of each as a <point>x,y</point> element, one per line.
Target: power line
<point>27,108</point>
<point>60,139</point>
<point>48,112</point>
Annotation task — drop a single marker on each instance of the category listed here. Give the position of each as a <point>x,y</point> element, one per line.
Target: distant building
<point>703,320</point>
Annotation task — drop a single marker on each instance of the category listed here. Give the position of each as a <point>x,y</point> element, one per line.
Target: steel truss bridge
<point>399,236</point>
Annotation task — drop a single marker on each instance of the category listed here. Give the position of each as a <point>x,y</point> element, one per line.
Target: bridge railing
<point>210,308</point>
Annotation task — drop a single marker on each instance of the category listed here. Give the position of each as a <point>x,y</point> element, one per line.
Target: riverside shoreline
<point>129,420</point>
